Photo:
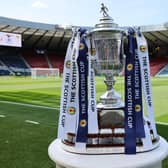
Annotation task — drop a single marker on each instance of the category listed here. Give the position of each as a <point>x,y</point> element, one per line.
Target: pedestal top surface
<point>72,160</point>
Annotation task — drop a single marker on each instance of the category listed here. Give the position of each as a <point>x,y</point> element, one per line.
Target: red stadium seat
<point>35,60</point>
<point>157,64</point>
<point>57,61</point>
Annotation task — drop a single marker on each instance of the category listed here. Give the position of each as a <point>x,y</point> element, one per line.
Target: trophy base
<point>111,136</point>
<point>105,148</point>
<point>64,159</point>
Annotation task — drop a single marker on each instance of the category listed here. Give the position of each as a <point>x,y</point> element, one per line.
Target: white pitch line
<point>32,122</point>
<point>29,105</point>
<point>44,107</point>
<point>162,123</point>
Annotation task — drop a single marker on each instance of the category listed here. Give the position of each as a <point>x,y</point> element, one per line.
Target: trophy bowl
<point>108,47</point>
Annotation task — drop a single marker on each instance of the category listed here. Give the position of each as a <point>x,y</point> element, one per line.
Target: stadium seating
<point>163,72</point>
<point>4,70</point>
<point>35,60</point>
<point>156,64</point>
<point>13,63</point>
<point>57,61</point>
<point>20,63</point>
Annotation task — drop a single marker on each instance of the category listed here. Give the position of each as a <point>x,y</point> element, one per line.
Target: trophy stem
<point>109,81</point>
<point>110,99</point>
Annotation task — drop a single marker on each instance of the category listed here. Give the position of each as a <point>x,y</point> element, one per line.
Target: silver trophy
<point>107,38</point>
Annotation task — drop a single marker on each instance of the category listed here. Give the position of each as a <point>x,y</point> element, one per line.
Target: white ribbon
<point>145,77</point>
<point>73,99</point>
<point>92,110</point>
<point>66,87</point>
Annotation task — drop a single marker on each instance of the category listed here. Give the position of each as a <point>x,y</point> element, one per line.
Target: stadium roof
<point>156,34</point>
<point>38,35</point>
<point>55,37</point>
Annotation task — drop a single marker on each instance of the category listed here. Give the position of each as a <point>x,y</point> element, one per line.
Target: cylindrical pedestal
<point>151,159</point>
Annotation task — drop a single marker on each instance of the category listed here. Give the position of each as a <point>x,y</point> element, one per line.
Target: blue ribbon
<point>130,126</point>
<point>134,124</point>
<point>82,62</point>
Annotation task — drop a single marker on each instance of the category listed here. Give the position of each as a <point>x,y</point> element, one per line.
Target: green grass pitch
<point>24,144</point>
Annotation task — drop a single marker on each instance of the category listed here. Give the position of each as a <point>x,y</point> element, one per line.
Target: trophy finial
<point>104,10</point>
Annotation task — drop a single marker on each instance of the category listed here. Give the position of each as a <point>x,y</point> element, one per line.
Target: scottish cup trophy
<point>107,37</point>
<point>90,132</point>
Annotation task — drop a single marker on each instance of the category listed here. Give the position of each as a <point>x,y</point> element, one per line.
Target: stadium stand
<point>4,70</point>
<point>56,60</point>
<point>48,61</point>
<point>35,60</point>
<point>53,40</point>
<point>13,63</point>
<point>156,64</point>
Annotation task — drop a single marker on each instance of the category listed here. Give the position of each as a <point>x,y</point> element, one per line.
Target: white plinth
<point>151,159</point>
